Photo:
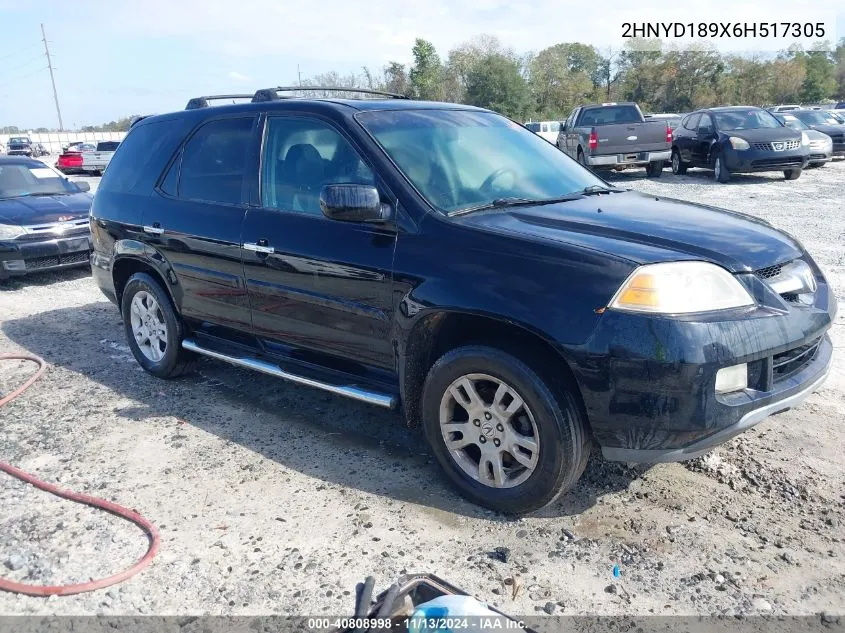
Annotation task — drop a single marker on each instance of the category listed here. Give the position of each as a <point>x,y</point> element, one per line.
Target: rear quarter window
<point>142,156</point>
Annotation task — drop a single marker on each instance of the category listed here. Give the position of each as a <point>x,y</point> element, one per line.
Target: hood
<point>646,229</point>
<point>27,211</point>
<point>764,135</point>
<point>835,130</point>
<point>815,135</point>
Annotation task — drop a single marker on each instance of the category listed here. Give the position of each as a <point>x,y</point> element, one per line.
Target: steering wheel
<point>487,185</point>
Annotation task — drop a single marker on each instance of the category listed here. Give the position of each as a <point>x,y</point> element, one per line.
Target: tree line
<point>121,125</point>
<point>548,84</point>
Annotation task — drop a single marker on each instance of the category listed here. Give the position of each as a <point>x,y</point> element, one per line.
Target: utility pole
<point>52,79</point>
<point>299,74</point>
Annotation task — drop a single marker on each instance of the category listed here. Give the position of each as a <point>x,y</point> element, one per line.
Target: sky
<point>114,58</point>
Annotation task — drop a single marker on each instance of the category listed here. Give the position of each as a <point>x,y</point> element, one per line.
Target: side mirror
<point>83,186</point>
<point>353,203</point>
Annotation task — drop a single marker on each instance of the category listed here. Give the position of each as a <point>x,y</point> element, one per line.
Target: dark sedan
<point>738,139</point>
<point>825,123</point>
<point>43,218</point>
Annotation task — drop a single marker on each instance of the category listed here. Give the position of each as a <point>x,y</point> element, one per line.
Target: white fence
<point>54,141</point>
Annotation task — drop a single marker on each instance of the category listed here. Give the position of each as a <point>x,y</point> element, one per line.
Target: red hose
<point>94,502</point>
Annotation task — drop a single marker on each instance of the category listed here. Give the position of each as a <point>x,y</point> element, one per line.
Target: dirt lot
<point>273,498</point>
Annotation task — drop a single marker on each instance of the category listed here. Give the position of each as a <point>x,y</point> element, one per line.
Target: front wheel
<point>153,329</point>
<point>792,174</point>
<point>506,438</point>
<point>654,169</point>
<point>720,172</point>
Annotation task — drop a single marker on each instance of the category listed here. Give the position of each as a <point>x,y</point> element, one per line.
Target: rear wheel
<point>582,159</point>
<point>679,167</point>
<point>720,172</point>
<point>506,438</point>
<point>654,169</point>
<point>153,329</point>
<point>792,174</point>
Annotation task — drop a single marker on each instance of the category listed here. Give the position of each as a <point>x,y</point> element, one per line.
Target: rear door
<point>197,222</point>
<point>315,283</point>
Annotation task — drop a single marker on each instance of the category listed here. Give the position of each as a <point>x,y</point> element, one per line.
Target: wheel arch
<point>438,331</point>
<point>132,257</point>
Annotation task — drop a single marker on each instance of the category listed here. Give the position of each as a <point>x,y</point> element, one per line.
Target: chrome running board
<point>356,393</point>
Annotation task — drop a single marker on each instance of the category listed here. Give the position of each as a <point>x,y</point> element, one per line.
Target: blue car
<point>43,218</point>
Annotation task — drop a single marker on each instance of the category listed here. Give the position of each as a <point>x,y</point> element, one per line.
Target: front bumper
<point>753,160</point>
<point>648,382</point>
<point>23,257</point>
<point>632,159</point>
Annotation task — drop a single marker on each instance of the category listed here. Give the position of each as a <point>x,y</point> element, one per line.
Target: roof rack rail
<point>271,94</point>
<point>202,102</point>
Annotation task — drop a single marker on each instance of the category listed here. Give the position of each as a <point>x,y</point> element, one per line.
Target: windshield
<point>458,159</point>
<point>745,120</point>
<point>815,117</point>
<point>18,180</point>
<point>19,139</point>
<point>791,121</point>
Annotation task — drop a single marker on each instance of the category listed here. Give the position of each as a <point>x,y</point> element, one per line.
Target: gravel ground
<point>273,498</point>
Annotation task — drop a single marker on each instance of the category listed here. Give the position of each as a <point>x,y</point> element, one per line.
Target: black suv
<point>444,258</point>
<point>738,139</point>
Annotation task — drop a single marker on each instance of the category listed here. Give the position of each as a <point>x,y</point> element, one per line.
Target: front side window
<point>214,161</point>
<point>300,157</point>
<point>745,120</point>
<point>461,158</point>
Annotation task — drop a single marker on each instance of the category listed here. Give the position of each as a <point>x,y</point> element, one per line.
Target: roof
<point>20,160</point>
<point>729,108</point>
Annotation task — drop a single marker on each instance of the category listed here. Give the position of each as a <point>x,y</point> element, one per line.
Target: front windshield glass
<point>791,121</point>
<point>19,139</point>
<point>816,117</point>
<point>19,180</point>
<point>459,159</point>
<point>745,120</point>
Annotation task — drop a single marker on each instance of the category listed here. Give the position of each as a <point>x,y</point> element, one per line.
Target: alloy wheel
<point>148,326</point>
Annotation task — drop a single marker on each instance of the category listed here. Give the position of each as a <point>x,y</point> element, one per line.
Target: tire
<point>172,360</point>
<point>720,172</point>
<point>679,167</point>
<point>582,160</point>
<point>654,169</point>
<point>792,174</point>
<point>550,415</point>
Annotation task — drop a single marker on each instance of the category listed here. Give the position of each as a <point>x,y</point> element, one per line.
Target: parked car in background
<point>20,146</point>
<point>825,122</point>
<point>839,115</point>
<point>672,120</point>
<point>70,160</point>
<point>43,218</point>
<point>545,129</point>
<point>821,145</point>
<point>738,139</point>
<point>784,108</point>
<point>615,135</point>
<point>294,237</point>
<point>95,161</point>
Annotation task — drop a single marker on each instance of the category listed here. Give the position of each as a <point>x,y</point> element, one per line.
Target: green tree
<point>820,76</point>
<point>396,78</point>
<point>559,80</point>
<point>426,73</point>
<point>496,83</point>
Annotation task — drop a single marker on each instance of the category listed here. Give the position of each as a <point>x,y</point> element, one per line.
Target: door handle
<point>155,229</point>
<point>259,248</point>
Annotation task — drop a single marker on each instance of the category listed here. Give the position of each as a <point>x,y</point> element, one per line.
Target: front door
<point>315,283</point>
<point>703,141</point>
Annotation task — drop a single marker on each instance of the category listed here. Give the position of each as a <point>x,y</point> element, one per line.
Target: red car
<point>70,160</point>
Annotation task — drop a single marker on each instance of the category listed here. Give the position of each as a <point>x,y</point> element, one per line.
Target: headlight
<point>805,140</point>
<point>10,232</point>
<point>738,143</point>
<point>680,288</point>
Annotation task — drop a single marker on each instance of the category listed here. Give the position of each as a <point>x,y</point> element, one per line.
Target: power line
<point>26,63</point>
<point>52,79</point>
<point>18,52</point>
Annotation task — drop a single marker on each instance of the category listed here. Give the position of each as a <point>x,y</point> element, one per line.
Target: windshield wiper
<point>595,190</point>
<point>501,203</point>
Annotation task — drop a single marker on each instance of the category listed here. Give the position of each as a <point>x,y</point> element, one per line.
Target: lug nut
<point>497,442</point>
<point>500,428</point>
<point>482,439</point>
<point>487,415</point>
<point>477,422</point>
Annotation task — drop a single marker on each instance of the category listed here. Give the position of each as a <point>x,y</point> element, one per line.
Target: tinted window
<point>691,122</point>
<point>214,161</point>
<point>107,146</point>
<point>534,127</point>
<point>459,158</point>
<point>141,157</point>
<point>609,115</point>
<point>815,117</point>
<point>302,155</point>
<point>752,119</point>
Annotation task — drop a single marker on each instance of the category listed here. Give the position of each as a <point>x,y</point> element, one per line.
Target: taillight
<point>594,139</point>
<point>668,134</point>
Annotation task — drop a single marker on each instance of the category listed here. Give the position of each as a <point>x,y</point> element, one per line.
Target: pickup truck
<point>95,162</point>
<point>614,136</point>
<point>21,146</point>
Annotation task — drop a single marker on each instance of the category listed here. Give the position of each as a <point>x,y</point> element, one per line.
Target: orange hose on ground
<point>94,502</point>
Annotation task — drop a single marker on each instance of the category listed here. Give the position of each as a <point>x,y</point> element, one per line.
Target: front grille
<point>792,361</point>
<point>785,161</point>
<point>769,271</point>
<point>52,261</point>
<point>767,147</point>
<point>42,262</point>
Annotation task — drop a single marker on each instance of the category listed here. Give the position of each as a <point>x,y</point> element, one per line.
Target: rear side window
<point>214,161</point>
<point>141,157</point>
